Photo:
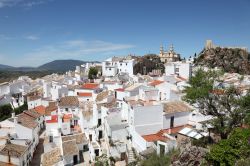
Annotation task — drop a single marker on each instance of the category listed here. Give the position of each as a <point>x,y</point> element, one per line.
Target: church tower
<point>161,50</point>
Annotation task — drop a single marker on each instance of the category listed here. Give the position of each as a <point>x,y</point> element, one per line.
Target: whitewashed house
<point>58,90</point>
<point>34,101</point>
<point>14,154</point>
<point>116,65</point>
<point>69,114</point>
<point>182,69</point>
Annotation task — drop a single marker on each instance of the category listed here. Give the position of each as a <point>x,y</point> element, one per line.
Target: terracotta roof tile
<point>84,94</point>
<point>51,108</point>
<point>26,121</point>
<point>13,150</point>
<point>155,137</point>
<point>52,157</point>
<point>159,136</point>
<point>33,114</point>
<point>90,86</point>
<point>69,101</point>
<point>176,106</point>
<point>70,148</point>
<point>102,95</point>
<point>156,82</point>
<point>40,109</point>
<point>80,138</point>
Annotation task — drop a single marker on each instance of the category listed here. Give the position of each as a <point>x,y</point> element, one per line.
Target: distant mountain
<point>5,67</point>
<point>61,65</point>
<point>56,66</point>
<point>234,60</point>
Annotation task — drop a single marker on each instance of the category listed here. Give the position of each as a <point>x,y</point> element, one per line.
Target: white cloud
<point>22,3</point>
<point>4,37</point>
<point>31,37</point>
<point>73,49</point>
<point>9,3</point>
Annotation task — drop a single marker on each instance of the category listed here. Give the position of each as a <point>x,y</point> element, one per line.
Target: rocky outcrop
<point>190,155</point>
<point>234,60</point>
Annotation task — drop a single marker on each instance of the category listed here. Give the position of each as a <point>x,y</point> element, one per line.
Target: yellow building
<point>168,56</point>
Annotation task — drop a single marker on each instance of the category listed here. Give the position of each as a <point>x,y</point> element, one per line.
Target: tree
<point>147,63</point>
<point>5,111</point>
<point>102,160</point>
<point>22,108</point>
<point>245,104</point>
<point>206,92</point>
<point>159,160</point>
<point>229,151</point>
<point>92,73</point>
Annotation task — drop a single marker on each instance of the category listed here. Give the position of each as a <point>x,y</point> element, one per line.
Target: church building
<point>169,56</point>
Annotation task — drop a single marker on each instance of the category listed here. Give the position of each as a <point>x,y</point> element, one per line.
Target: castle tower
<point>209,44</point>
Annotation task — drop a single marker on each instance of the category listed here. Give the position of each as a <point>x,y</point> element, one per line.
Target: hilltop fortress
<point>209,44</point>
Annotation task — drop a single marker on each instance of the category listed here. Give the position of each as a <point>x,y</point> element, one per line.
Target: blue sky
<point>33,32</point>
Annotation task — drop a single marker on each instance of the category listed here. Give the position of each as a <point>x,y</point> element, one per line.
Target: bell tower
<point>161,50</point>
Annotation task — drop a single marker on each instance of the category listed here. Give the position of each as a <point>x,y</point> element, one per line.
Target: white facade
<point>57,91</point>
<point>182,69</point>
<point>113,66</point>
<point>34,103</point>
<point>179,119</point>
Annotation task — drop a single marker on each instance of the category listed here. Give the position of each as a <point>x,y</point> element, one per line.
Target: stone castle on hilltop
<point>209,45</point>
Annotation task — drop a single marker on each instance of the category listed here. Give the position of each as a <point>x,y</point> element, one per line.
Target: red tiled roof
<point>159,135</point>
<point>40,109</point>
<point>54,119</point>
<point>156,82</point>
<point>90,86</point>
<point>120,89</point>
<point>155,137</point>
<point>84,94</point>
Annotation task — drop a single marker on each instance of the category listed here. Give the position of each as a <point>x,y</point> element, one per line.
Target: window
<point>66,109</point>
<point>99,122</point>
<point>162,149</point>
<point>172,122</point>
<point>109,68</point>
<point>85,148</point>
<point>126,64</point>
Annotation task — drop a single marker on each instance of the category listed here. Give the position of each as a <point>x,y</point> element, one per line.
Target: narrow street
<point>36,160</point>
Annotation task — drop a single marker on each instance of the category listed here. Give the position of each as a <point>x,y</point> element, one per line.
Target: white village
<point>76,118</point>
